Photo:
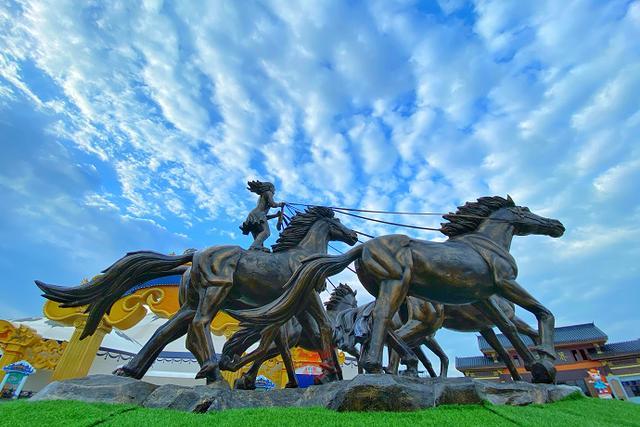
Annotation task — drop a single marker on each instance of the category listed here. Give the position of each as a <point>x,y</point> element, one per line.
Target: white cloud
<point>373,105</point>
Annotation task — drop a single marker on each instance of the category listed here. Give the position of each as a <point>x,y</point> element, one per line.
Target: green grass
<point>569,412</point>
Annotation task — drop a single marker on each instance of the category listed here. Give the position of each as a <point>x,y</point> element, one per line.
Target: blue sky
<point>127,127</point>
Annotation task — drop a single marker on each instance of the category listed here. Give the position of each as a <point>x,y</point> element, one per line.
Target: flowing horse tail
<point>105,289</point>
<point>310,275</point>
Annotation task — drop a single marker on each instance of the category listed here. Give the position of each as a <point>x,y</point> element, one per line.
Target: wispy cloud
<point>163,111</point>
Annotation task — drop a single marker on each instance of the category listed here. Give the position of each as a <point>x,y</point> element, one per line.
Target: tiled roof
<point>477,362</point>
<point>617,348</point>
<point>587,332</point>
<point>167,280</point>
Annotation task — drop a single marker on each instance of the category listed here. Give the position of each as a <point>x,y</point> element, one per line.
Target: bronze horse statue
<point>419,328</point>
<point>342,301</point>
<point>220,277</point>
<point>471,266</point>
<point>349,329</point>
<point>416,323</point>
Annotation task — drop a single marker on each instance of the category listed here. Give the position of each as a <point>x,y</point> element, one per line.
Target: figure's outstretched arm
<point>271,203</point>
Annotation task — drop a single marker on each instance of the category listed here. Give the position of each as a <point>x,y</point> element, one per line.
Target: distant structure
<point>583,354</point>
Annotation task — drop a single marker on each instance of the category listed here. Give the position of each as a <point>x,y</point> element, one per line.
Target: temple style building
<point>585,359</point>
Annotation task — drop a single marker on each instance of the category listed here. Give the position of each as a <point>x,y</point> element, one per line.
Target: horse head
<point>314,228</point>
<point>497,211</point>
<point>341,298</point>
<point>526,222</point>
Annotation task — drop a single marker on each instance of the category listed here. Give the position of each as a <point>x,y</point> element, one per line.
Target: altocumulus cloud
<point>128,126</point>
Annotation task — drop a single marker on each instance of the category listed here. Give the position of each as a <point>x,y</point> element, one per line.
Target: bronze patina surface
<point>469,268</point>
<point>220,277</point>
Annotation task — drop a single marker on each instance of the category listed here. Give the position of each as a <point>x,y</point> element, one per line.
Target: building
<point>585,359</point>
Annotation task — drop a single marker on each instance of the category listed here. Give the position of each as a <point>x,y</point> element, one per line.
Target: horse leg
<point>541,370</point>
<point>390,296</point>
<point>511,290</point>
<point>394,362</point>
<point>248,380</point>
<point>282,344</point>
<point>266,345</point>
<point>173,329</point>
<point>492,339</point>
<point>524,329</point>
<point>425,361</point>
<point>199,340</point>
<point>407,356</point>
<point>433,345</point>
<point>327,350</point>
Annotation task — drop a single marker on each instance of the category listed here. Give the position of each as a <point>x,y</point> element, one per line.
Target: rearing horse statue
<point>468,268</point>
<point>220,277</point>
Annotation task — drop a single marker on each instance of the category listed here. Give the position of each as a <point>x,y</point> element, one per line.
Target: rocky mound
<point>363,393</point>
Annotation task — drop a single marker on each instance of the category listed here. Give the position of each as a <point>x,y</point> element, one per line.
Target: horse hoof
<point>291,385</point>
<point>242,384</point>
<point>124,372</point>
<point>210,371</point>
<point>544,353</point>
<point>225,363</point>
<point>372,368</point>
<point>543,371</point>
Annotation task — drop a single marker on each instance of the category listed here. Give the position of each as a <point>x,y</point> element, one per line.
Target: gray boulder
<point>98,388</point>
<point>363,393</point>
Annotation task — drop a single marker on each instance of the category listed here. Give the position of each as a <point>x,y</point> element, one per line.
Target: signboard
<point>16,375</point>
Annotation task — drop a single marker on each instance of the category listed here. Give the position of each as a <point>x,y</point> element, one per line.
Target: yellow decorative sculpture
<point>19,342</point>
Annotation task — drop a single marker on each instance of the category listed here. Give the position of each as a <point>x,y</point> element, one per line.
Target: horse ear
<point>510,200</point>
<point>355,293</point>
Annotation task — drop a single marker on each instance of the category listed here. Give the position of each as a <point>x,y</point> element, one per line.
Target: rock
<point>559,392</point>
<point>98,388</point>
<point>265,398</point>
<point>455,391</point>
<point>380,392</point>
<point>515,393</point>
<point>192,399</point>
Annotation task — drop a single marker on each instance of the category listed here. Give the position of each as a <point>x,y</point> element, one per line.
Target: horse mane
<point>299,226</point>
<point>337,295</point>
<point>468,217</point>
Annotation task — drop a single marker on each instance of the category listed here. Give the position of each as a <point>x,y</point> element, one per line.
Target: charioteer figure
<point>257,222</point>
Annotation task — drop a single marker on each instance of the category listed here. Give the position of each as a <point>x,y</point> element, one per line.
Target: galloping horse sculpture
<point>416,323</point>
<point>342,300</point>
<point>220,277</point>
<point>469,268</point>
<point>420,326</point>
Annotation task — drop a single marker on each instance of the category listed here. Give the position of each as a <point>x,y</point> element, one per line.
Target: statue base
<point>363,393</point>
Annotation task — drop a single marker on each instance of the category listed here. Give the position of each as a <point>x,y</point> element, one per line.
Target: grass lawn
<point>574,411</point>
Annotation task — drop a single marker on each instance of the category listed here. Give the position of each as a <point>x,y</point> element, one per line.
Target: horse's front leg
<point>283,345</point>
<point>433,345</point>
<point>494,342</point>
<point>266,346</point>
<point>390,296</point>
<point>248,380</point>
<point>511,290</point>
<point>425,361</point>
<point>327,350</point>
<point>173,329</point>
<point>199,341</point>
<point>542,371</point>
<point>407,355</point>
